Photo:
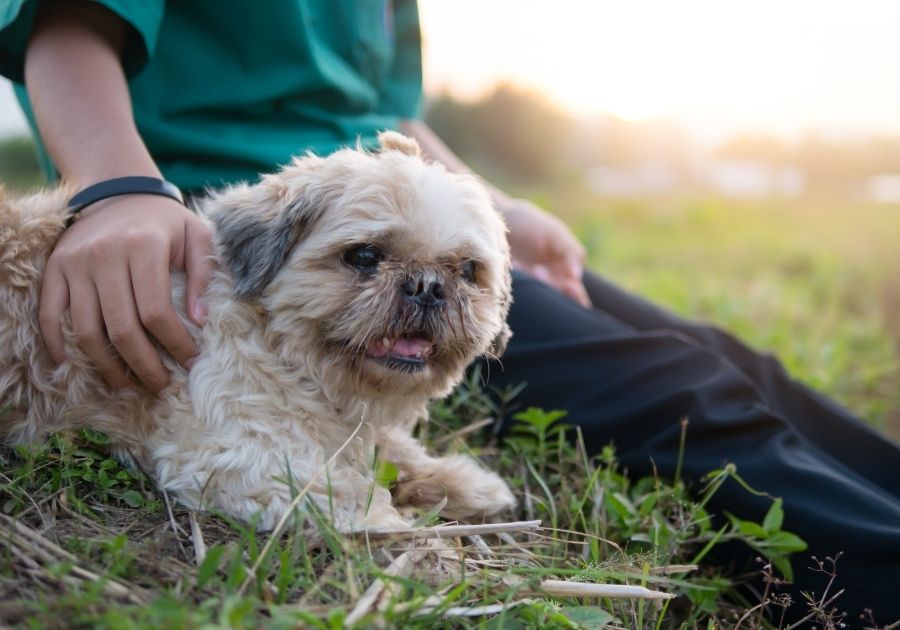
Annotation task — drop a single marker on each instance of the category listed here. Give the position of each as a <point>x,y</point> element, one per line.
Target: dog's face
<point>380,268</point>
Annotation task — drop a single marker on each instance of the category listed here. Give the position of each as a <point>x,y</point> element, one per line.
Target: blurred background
<point>736,161</point>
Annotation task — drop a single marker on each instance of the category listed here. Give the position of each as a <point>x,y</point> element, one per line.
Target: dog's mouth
<point>405,353</point>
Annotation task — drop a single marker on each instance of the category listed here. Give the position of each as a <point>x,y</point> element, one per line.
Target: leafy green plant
<point>83,467</point>
<point>654,520</point>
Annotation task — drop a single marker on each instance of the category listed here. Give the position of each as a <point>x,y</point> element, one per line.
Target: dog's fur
<point>300,346</point>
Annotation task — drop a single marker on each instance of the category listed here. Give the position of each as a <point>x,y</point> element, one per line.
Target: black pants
<point>627,372</point>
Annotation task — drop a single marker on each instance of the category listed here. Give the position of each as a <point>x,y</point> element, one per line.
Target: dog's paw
<point>471,492</point>
<point>488,495</point>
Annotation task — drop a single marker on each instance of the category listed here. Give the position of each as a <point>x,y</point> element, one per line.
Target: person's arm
<point>111,268</point>
<point>540,243</point>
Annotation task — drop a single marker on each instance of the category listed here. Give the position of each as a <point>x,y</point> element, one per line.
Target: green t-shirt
<point>228,89</point>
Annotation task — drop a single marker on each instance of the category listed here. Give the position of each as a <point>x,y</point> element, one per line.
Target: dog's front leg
<point>351,500</point>
<point>424,481</point>
<point>355,502</point>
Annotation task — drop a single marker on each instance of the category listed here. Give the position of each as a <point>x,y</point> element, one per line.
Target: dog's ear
<point>395,141</point>
<point>254,246</point>
<point>256,227</point>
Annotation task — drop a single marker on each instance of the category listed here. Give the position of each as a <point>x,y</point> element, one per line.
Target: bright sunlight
<point>720,66</point>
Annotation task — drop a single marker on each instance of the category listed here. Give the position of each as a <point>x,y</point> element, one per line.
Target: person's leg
<point>631,386</point>
<point>821,421</point>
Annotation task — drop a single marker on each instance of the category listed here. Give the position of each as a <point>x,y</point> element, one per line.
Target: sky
<point>717,67</point>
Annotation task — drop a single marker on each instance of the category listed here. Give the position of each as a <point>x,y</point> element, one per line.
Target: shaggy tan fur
<point>303,342</point>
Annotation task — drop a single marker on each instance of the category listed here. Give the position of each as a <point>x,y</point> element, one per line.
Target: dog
<point>352,290</point>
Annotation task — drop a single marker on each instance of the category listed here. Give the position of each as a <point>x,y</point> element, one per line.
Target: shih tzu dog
<point>352,290</point>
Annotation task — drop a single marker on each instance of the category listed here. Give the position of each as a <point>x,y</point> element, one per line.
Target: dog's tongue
<point>407,347</point>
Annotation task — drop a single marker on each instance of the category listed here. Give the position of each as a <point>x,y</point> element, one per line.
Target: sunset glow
<point>766,65</point>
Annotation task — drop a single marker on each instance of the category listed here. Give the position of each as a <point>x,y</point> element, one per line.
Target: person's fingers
<point>573,287</point>
<point>90,336</point>
<point>575,269</point>
<point>567,267</point>
<point>53,303</point>
<point>199,265</point>
<point>570,252</point>
<point>576,291</point>
<point>542,273</point>
<point>565,276</point>
<point>150,282</point>
<point>573,284</point>
<point>124,329</point>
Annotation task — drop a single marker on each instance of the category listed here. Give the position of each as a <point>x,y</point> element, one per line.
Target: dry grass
<point>75,553</point>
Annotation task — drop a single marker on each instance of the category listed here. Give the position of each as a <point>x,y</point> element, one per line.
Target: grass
<point>89,542</point>
<point>93,544</point>
<point>815,282</point>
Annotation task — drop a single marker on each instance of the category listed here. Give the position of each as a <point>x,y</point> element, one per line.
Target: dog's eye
<point>364,257</point>
<point>467,270</point>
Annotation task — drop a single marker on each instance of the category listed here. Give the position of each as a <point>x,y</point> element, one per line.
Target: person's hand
<point>111,270</point>
<point>542,246</point>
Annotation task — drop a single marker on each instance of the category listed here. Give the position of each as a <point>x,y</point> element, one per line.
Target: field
<point>817,283</point>
<point>95,545</point>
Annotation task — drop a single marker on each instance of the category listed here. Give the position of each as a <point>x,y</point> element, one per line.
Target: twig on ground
<point>450,531</point>
<point>669,569</point>
<point>24,537</point>
<point>509,540</point>
<point>562,588</point>
<point>197,537</point>
<point>400,566</point>
<point>476,611</point>
<point>176,528</point>
<point>584,535</point>
<point>478,542</point>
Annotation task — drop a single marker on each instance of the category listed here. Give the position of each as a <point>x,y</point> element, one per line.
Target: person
<point>208,93</point>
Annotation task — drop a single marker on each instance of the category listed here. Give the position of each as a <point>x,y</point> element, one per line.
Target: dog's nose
<point>425,293</point>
